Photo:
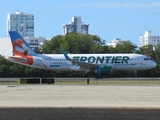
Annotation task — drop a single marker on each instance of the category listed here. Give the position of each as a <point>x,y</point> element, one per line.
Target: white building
<point>116,41</point>
<point>6,46</point>
<point>148,39</point>
<point>34,42</point>
<point>22,23</point>
<point>75,26</point>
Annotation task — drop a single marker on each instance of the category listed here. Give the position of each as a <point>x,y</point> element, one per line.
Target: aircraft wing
<point>80,63</point>
<point>17,59</point>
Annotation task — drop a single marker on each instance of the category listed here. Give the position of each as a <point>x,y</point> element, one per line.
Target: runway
<point>92,102</point>
<point>101,96</point>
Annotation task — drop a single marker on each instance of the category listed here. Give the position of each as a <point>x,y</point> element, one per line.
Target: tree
<point>74,43</point>
<point>126,47</point>
<point>146,50</point>
<point>156,57</point>
<point>51,46</point>
<point>152,54</point>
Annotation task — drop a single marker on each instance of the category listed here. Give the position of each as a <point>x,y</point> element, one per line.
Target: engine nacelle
<point>104,70</point>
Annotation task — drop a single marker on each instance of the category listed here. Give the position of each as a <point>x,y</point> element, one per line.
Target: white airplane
<point>102,64</point>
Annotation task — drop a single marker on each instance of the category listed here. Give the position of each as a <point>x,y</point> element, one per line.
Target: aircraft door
<point>136,61</point>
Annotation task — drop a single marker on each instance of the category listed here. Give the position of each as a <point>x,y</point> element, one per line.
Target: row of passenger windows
<point>59,59</point>
<point>50,59</point>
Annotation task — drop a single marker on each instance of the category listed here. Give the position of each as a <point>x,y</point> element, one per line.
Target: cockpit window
<point>146,58</point>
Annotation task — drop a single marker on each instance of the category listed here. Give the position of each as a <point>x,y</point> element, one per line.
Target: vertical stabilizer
<point>20,47</point>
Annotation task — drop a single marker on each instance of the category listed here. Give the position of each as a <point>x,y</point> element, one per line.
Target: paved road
<point>78,114</point>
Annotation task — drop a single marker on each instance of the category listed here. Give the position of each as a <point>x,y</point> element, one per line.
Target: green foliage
<point>74,43</point>
<point>126,47</point>
<point>146,50</point>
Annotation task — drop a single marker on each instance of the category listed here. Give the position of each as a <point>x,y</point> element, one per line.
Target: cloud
<point>123,5</point>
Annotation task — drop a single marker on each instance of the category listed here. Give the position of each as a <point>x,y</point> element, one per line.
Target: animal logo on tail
<point>21,48</point>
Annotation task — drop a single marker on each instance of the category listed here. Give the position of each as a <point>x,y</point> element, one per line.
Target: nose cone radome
<point>153,64</point>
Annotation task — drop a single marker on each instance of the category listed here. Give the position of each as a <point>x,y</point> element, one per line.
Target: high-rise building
<point>149,39</point>
<point>22,23</point>
<point>75,26</point>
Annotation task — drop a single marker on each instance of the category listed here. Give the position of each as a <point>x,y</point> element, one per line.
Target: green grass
<point>94,82</point>
<point>129,82</point>
<point>10,83</point>
<point>111,82</point>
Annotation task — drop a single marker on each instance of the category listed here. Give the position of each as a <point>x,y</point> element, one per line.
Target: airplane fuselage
<point>117,61</point>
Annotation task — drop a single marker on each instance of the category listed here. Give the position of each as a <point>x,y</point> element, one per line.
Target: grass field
<point>10,83</point>
<point>94,82</point>
<point>122,82</point>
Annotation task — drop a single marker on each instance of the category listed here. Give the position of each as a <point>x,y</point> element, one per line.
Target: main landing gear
<point>135,72</point>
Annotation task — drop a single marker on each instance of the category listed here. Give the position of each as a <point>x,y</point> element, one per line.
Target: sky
<point>109,19</point>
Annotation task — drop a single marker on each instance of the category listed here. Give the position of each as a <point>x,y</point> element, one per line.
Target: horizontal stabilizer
<point>16,59</point>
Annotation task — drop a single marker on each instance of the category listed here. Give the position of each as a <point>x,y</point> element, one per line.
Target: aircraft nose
<point>153,64</point>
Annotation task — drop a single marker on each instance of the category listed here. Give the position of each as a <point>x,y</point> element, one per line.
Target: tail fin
<point>20,47</point>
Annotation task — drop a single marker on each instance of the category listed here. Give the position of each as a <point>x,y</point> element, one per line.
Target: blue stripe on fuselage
<point>54,66</point>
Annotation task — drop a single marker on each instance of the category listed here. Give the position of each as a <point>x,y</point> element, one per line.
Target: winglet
<point>65,55</point>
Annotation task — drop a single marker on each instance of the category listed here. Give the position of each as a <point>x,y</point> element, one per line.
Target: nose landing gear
<point>135,72</point>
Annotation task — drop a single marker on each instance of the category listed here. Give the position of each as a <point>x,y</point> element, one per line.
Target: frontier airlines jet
<point>102,64</point>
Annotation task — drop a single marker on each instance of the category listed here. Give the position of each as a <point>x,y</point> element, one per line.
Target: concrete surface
<point>98,96</point>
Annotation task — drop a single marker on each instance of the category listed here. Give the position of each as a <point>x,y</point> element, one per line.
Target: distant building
<point>22,23</point>
<point>116,41</point>
<point>34,42</point>
<point>5,47</point>
<point>149,39</point>
<point>76,26</point>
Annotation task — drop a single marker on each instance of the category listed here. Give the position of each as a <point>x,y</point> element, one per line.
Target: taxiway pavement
<point>89,96</point>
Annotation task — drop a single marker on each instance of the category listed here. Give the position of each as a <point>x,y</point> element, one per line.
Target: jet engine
<point>104,70</point>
